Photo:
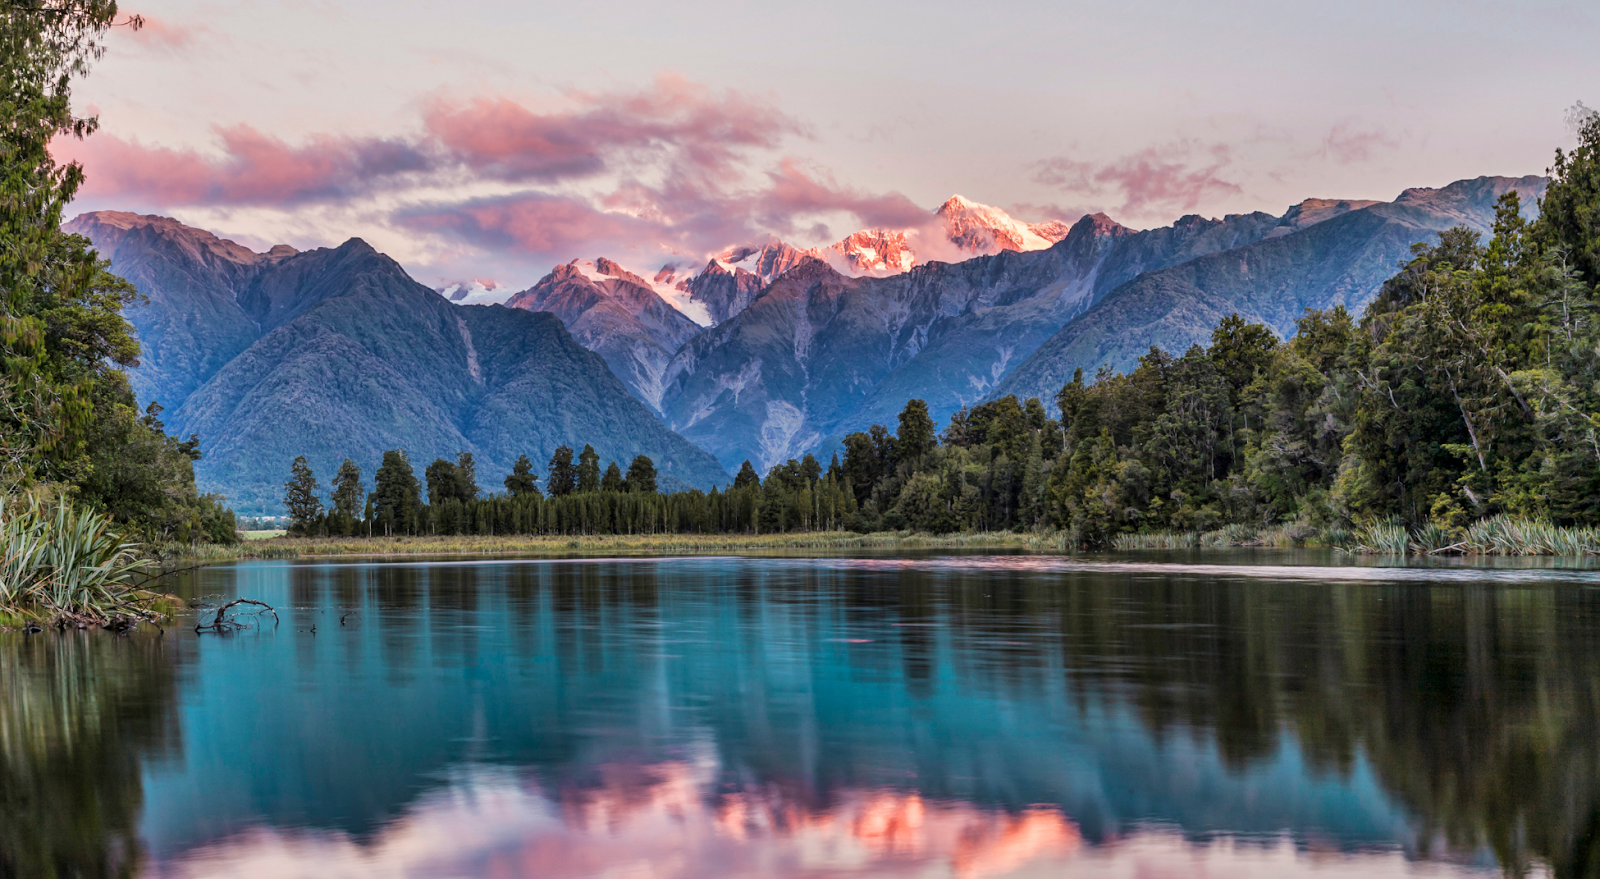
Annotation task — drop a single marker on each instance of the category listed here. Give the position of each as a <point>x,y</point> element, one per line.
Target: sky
<point>489,141</point>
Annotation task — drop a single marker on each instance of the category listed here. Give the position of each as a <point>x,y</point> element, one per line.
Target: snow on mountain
<point>974,229</point>
<point>618,315</point>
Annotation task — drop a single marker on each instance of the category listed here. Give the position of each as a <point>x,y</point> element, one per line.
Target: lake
<point>918,715</point>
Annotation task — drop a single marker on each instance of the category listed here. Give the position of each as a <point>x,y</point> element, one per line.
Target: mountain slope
<point>1340,260</point>
<point>388,363</point>
<point>617,315</point>
<point>818,354</point>
<point>197,285</point>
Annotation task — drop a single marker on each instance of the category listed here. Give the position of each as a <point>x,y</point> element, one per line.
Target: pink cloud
<point>255,168</point>
<point>673,120</point>
<point>160,32</point>
<point>1177,176</point>
<point>1347,145</point>
<point>536,224</point>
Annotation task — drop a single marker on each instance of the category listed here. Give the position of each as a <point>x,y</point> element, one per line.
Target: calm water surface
<point>971,716</point>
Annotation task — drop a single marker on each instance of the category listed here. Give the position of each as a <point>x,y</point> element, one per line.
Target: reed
<point>1386,536</point>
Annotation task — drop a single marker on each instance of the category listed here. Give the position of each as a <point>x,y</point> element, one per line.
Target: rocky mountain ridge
<point>337,352</point>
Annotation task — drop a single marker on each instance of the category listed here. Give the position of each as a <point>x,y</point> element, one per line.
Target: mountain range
<point>765,353</point>
<point>337,352</point>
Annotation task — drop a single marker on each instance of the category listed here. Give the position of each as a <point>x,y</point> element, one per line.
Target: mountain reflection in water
<point>965,716</point>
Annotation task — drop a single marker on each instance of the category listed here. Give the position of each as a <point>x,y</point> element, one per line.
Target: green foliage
<point>302,497</point>
<point>61,562</point>
<point>396,497</point>
<point>563,478</point>
<point>522,482</point>
<point>347,490</point>
<point>589,469</point>
<point>612,481</point>
<point>641,475</point>
<point>747,476</point>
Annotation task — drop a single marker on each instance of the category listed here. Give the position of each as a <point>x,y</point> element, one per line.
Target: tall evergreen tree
<point>302,496</point>
<point>466,477</point>
<point>522,482</point>
<point>917,435</point>
<point>563,476</point>
<point>642,476</point>
<point>588,469</point>
<point>347,490</point>
<point>747,476</point>
<point>396,492</point>
<point>612,481</point>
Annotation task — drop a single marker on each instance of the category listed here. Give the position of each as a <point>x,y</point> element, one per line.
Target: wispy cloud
<point>1156,180</point>
<point>1348,144</point>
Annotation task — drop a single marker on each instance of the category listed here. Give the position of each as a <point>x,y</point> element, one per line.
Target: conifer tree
<point>612,481</point>
<point>522,482</point>
<point>642,476</point>
<point>748,476</point>
<point>302,496</point>
<point>588,469</point>
<point>396,492</point>
<point>466,477</point>
<point>917,435</point>
<point>347,490</point>
<point>563,478</point>
<point>443,480</point>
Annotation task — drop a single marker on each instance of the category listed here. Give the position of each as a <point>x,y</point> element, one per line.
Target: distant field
<point>258,546</point>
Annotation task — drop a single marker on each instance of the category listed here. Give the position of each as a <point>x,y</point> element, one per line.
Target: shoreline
<point>403,547</point>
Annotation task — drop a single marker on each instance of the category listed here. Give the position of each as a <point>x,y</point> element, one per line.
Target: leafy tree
<point>1240,351</point>
<point>522,482</point>
<point>348,492</point>
<point>563,478</point>
<point>302,496</point>
<point>588,469</point>
<point>642,475</point>
<point>396,493</point>
<point>612,482</point>
<point>444,480</point>
<point>747,476</point>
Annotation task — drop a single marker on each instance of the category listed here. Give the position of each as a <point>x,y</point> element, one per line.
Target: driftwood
<point>223,624</point>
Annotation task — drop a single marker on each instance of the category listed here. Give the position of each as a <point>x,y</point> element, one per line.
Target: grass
<point>661,544</point>
<point>262,535</point>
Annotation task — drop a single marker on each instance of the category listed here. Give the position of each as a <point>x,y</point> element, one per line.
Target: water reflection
<point>969,717</point>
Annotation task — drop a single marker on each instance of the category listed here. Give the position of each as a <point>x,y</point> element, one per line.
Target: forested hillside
<point>1340,261</point>
<point>1460,408</point>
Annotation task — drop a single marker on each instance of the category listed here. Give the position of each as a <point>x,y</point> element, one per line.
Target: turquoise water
<point>1248,714</point>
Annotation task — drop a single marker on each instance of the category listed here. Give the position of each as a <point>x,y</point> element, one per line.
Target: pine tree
<point>642,476</point>
<point>466,477</point>
<point>347,490</point>
<point>396,492</point>
<point>612,481</point>
<point>522,482</point>
<point>302,496</point>
<point>917,435</point>
<point>563,478</point>
<point>748,476</point>
<point>588,469</point>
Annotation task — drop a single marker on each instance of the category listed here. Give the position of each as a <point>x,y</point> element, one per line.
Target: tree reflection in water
<point>788,718</point>
<point>81,713</point>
